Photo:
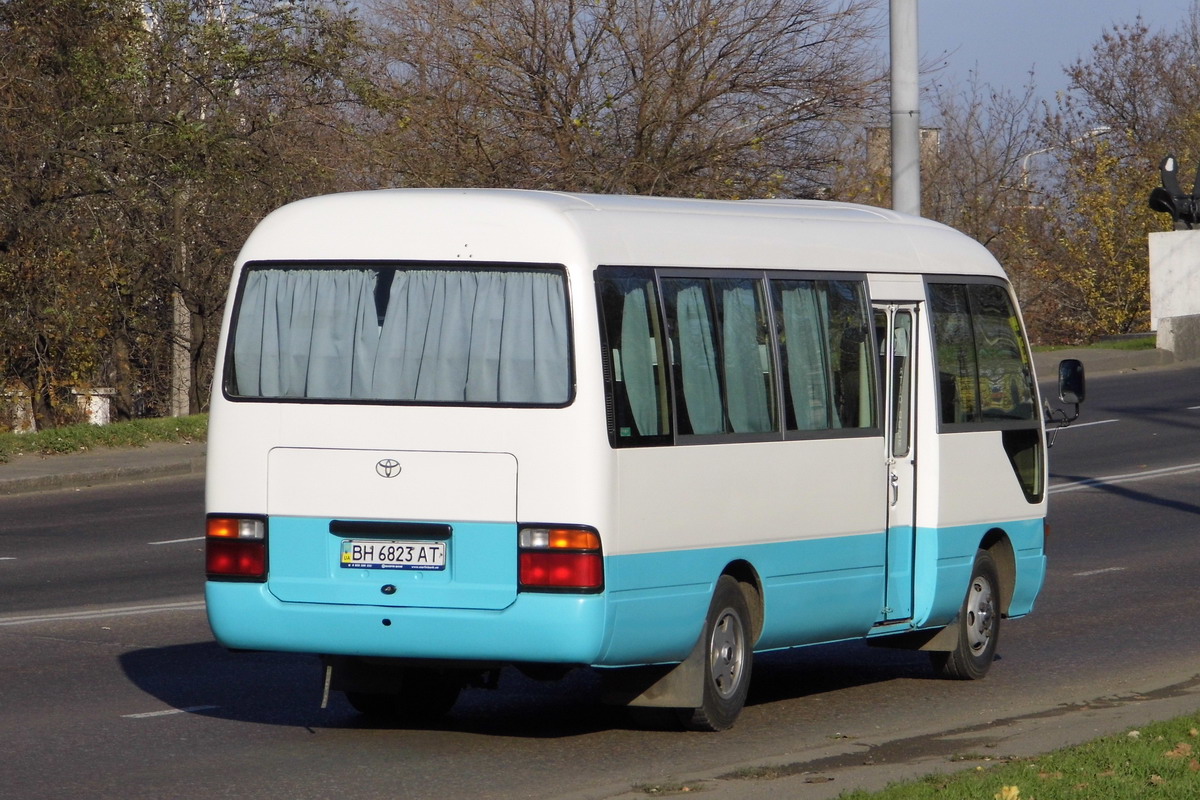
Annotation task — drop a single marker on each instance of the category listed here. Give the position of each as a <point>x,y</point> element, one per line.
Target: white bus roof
<point>519,226</point>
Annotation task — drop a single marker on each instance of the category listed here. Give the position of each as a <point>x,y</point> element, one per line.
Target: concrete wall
<point>1180,336</point>
<point>1174,276</point>
<point>1175,292</point>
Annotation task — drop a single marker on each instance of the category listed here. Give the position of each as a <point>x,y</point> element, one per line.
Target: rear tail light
<point>559,559</point>
<point>235,548</point>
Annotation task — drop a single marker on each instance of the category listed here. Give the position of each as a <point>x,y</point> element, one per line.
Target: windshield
<point>425,334</point>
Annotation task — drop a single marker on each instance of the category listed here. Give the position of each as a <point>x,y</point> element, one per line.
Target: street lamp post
<point>906,116</point>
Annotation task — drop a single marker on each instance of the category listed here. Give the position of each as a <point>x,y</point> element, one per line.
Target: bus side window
<point>984,376</point>
<point>747,363</point>
<point>637,381</point>
<point>983,363</point>
<point>695,359</point>
<point>825,349</point>
<point>954,347</point>
<point>1005,375</point>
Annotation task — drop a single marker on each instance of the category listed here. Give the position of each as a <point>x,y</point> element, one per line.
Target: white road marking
<point>1081,424</point>
<point>1092,572</point>
<point>8,558</point>
<point>122,611</point>
<point>180,541</point>
<point>168,712</point>
<point>1131,477</point>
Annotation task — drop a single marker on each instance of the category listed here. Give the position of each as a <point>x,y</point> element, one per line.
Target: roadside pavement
<point>1100,361</point>
<point>36,473</point>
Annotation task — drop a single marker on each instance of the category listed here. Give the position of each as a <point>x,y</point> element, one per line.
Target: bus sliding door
<point>898,325</point>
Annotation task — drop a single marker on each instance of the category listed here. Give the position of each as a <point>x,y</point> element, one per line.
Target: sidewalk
<point>37,473</point>
<point>1098,361</point>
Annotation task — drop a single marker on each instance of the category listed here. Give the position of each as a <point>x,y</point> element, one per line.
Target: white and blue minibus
<point>458,430</point>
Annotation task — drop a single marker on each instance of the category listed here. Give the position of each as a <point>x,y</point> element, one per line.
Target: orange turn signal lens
<point>235,528</point>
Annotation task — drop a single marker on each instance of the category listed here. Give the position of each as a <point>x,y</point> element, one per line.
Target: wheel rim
<point>981,614</point>
<point>727,653</point>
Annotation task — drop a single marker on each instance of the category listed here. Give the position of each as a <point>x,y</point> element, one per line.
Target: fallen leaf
<point>1182,749</point>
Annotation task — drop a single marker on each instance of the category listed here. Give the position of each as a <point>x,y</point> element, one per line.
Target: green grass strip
<point>81,438</point>
<point>1161,760</point>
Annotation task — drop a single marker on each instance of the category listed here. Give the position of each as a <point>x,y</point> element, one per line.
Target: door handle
<point>894,479</point>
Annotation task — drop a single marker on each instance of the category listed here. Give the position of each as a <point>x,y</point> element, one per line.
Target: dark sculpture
<point>1170,199</point>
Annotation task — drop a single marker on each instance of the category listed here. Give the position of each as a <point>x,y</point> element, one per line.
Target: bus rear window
<point>429,334</point>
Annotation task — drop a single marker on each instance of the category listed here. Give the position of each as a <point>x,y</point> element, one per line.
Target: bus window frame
<point>983,424</point>
<point>227,364</point>
<point>766,277</point>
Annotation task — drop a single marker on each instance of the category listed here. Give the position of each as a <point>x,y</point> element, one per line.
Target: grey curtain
<point>805,323</point>
<point>305,333</point>
<point>637,362</point>
<point>745,383</point>
<point>698,362</point>
<point>459,336</point>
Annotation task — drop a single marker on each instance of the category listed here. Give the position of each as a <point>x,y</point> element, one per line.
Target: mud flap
<point>933,640</point>
<point>660,686</point>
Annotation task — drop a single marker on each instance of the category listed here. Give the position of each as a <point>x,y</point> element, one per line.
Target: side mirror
<point>1071,381</point>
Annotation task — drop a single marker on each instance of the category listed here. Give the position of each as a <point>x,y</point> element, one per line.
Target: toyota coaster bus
<point>458,430</point>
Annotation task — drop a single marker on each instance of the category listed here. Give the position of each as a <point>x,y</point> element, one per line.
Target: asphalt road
<point>113,686</point>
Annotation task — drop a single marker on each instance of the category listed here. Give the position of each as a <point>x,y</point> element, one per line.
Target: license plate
<point>381,554</point>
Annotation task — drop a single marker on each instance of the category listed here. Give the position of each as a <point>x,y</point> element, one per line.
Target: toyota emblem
<point>388,468</point>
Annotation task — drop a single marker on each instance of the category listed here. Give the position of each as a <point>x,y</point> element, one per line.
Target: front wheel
<point>728,656</point>
<point>978,625</point>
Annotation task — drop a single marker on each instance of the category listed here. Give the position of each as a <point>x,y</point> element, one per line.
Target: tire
<point>978,625</point>
<point>729,656</point>
<point>425,697</point>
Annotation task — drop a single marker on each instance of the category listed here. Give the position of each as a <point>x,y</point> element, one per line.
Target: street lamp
<point>1094,132</point>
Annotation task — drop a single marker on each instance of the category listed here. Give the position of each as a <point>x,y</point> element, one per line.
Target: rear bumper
<point>549,628</point>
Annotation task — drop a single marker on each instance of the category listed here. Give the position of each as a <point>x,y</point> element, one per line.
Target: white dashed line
<point>168,712</point>
<point>1130,477</point>
<point>122,611</point>
<point>1092,572</point>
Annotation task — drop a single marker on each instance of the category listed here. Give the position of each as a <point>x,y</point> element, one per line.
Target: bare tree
<point>688,97</point>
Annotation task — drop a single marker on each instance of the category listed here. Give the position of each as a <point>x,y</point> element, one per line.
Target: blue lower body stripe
<point>654,604</point>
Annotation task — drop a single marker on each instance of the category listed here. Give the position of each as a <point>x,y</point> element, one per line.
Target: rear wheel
<point>728,659</point>
<point>978,625</point>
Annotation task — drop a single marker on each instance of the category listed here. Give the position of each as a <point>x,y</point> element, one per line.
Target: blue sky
<point>1004,39</point>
